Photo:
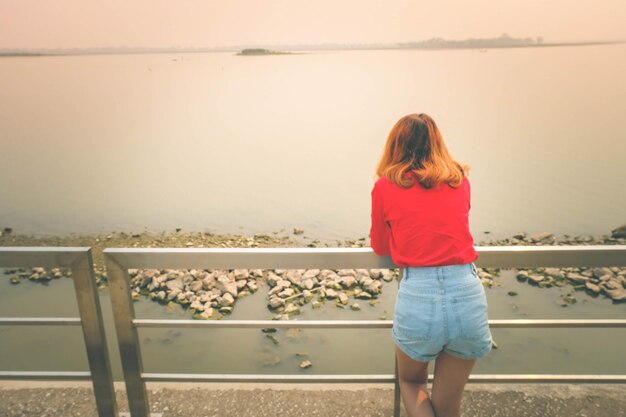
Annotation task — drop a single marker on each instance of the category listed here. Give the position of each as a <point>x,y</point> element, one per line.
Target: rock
<point>311,273</point>
<point>348,281</point>
<point>387,275</point>
<point>206,314</point>
<point>376,273</point>
<point>306,364</point>
<point>343,298</point>
<point>291,309</point>
<point>512,293</point>
<point>241,284</point>
<point>273,279</point>
<point>276,302</point>
<point>542,237</point>
<point>554,272</point>
<point>196,286</point>
<point>365,281</point>
<point>522,276</point>
<point>330,293</point>
<point>577,278</point>
<point>620,232</point>
<point>227,300</point>
<point>592,287</point>
<point>297,231</point>
<point>616,295</point>
<point>209,282</point>
<point>535,278</point>
<point>196,305</point>
<point>306,284</point>
<point>226,310</point>
<point>241,274</point>
<point>613,284</point>
<point>287,292</point>
<point>293,276</point>
<point>374,287</point>
<point>175,284</point>
<point>364,295</point>
<point>252,286</point>
<point>15,280</point>
<point>519,236</point>
<point>226,286</point>
<point>355,307</point>
<point>316,304</point>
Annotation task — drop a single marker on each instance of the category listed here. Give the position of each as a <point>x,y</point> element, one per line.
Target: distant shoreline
<point>294,50</point>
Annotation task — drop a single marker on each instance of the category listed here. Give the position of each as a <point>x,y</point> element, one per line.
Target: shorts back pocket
<point>413,317</point>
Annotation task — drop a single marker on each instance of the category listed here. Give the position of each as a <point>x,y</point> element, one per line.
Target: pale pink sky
<point>93,23</point>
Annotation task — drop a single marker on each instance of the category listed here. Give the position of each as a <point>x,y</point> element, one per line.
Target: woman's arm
<point>380,231</point>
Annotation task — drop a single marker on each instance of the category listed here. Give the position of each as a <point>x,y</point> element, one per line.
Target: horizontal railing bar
<point>338,258</point>
<point>50,376</point>
<point>551,378</point>
<point>230,258</point>
<point>40,321</point>
<point>368,324</point>
<point>40,256</point>
<point>563,323</point>
<point>254,324</point>
<point>503,378</point>
<point>155,377</point>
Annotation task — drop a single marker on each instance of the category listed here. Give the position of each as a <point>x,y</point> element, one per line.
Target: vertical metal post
<point>396,382</point>
<point>124,314</point>
<point>93,333</point>
<point>396,390</point>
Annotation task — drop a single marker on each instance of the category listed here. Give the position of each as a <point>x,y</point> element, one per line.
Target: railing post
<point>93,333</point>
<point>396,390</point>
<point>124,314</point>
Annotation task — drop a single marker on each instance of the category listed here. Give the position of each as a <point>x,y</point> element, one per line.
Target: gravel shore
<point>44,399</point>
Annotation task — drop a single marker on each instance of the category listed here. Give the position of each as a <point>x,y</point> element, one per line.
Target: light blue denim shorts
<point>442,308</point>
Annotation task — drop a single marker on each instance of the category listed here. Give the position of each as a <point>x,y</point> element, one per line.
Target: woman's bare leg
<point>413,379</point>
<point>451,375</point>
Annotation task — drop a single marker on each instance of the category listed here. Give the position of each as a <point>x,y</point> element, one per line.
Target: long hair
<point>416,146</point>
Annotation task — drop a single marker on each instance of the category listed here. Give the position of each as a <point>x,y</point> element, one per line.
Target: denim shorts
<point>442,308</point>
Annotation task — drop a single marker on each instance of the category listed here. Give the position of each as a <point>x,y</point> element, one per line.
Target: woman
<point>420,210</point>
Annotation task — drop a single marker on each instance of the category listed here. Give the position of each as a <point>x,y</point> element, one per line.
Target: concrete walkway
<point>45,399</point>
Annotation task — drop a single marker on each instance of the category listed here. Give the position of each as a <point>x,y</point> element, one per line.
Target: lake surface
<point>225,143</point>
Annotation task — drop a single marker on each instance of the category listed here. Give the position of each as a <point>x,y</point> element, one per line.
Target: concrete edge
<point>537,389</point>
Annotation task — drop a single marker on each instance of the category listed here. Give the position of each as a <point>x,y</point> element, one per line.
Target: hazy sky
<point>91,23</point>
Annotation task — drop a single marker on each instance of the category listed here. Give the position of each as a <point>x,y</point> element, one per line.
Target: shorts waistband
<point>439,271</point>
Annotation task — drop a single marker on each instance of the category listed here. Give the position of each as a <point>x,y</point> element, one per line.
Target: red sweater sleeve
<point>380,230</point>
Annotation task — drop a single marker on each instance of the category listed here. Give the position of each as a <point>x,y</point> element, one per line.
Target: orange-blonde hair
<point>416,146</point>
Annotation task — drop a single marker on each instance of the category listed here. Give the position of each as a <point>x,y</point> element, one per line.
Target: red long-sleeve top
<point>422,227</point>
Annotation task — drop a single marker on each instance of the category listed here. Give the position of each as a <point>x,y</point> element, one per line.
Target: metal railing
<point>80,262</point>
<point>118,261</point>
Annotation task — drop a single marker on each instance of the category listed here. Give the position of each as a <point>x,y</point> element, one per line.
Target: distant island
<point>259,51</point>
<point>503,41</point>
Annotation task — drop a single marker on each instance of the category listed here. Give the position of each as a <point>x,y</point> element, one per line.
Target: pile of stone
<point>41,275</point>
<point>594,281</point>
<point>205,292</point>
<point>293,288</point>
<point>210,294</point>
<point>609,281</point>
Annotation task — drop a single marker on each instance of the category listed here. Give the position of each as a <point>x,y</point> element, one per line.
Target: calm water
<point>567,351</point>
<point>254,144</point>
